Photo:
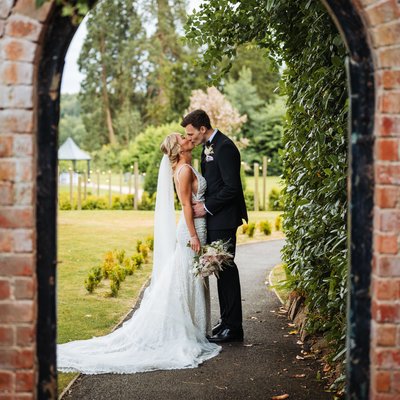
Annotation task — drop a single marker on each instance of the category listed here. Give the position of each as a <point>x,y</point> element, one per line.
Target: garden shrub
<point>265,227</point>
<point>275,200</point>
<point>278,223</point>
<point>251,229</point>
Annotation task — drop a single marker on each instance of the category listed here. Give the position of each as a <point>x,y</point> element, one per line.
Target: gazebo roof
<point>70,151</point>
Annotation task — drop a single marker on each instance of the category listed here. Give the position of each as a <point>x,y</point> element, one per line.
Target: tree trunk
<point>111,135</point>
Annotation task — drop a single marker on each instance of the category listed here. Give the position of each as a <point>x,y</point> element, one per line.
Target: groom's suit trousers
<point>230,299</point>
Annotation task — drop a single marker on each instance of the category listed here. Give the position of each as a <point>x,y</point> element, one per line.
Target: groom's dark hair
<point>197,118</point>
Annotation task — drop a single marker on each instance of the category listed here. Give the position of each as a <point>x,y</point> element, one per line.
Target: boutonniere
<point>208,152</point>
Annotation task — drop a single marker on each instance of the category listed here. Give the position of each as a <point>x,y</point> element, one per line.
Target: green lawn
<point>83,238</point>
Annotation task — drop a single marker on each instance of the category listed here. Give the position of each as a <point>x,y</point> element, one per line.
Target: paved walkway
<point>263,366</point>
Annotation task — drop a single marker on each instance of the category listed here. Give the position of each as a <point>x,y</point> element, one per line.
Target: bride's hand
<point>195,243</point>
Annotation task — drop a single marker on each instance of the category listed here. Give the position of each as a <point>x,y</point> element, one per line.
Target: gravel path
<point>263,366</point>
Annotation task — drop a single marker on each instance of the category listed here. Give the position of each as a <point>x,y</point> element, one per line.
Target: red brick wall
<point>21,29</point>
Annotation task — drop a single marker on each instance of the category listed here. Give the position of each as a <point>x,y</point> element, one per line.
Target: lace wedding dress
<point>168,331</point>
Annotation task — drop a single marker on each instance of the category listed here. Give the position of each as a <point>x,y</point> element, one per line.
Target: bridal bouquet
<point>211,259</point>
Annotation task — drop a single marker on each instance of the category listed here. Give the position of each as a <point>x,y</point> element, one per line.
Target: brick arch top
<point>29,90</point>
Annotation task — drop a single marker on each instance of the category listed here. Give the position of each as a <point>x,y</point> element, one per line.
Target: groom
<point>225,208</point>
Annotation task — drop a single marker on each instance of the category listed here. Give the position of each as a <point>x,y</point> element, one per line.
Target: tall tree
<point>111,62</point>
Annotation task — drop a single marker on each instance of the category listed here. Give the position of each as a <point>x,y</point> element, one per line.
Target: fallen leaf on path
<point>299,358</point>
<point>291,325</point>
<point>327,368</point>
<point>299,342</point>
<point>280,397</point>
<point>294,332</point>
<point>285,335</point>
<point>254,318</point>
<point>222,388</point>
<point>248,345</point>
<point>299,376</point>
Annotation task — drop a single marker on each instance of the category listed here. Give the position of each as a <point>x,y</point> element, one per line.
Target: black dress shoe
<point>217,328</point>
<point>227,335</point>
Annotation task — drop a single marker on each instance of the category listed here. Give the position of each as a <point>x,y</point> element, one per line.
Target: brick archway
<point>33,43</point>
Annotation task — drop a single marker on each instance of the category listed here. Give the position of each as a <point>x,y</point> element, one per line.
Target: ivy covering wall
<point>305,44</point>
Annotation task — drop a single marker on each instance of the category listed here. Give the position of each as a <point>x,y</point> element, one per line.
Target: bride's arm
<point>185,190</point>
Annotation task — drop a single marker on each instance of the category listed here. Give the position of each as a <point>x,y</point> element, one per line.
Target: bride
<point>169,329</point>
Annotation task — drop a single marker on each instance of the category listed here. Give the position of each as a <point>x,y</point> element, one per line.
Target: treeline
<point>140,73</point>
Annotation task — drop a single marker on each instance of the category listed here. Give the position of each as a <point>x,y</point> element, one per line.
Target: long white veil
<point>164,219</point>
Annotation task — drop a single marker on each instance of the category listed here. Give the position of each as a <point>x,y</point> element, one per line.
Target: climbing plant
<point>304,43</point>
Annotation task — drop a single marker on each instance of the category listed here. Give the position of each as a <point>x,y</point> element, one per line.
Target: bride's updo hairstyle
<point>171,148</point>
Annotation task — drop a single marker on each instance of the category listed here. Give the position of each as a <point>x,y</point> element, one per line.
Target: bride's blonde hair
<point>171,148</point>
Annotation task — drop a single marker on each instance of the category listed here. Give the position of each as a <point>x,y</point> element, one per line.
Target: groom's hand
<point>198,210</point>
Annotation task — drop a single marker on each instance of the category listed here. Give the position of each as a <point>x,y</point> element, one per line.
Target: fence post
<point>256,173</point>
<point>98,183</point>
<point>136,196</point>
<point>84,186</point>
<point>264,174</point>
<point>79,192</point>
<point>130,181</point>
<point>70,187</point>
<point>109,189</point>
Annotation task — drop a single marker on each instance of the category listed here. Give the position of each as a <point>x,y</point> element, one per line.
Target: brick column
<point>21,26</point>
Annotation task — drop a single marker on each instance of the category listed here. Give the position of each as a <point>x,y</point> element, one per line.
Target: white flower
<point>208,150</point>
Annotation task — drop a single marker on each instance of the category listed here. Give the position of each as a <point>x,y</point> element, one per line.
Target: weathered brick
<point>6,381</point>
<point>387,358</point>
<point>16,97</point>
<point>384,11</point>
<point>388,125</point>
<point>389,221</point>
<point>28,8</point>
<point>390,79</point>
<point>17,264</point>
<point>382,381</point>
<point>6,193</point>
<point>384,311</point>
<point>12,358</point>
<point>387,34</point>
<point>24,381</point>
<point>5,8</point>
<point>17,311</point>
<point>6,241</point>
<point>6,336</point>
<point>388,149</point>
<point>17,49</point>
<point>23,145</point>
<point>23,193</point>
<point>22,240</point>
<point>6,146</point>
<point>21,26</point>
<point>387,174</point>
<point>389,266</point>
<point>17,121</point>
<point>5,290</point>
<point>16,73</point>
<point>386,289</point>
<point>2,28</point>
<point>388,57</point>
<point>24,170</point>
<point>386,243</point>
<point>389,102</point>
<point>387,196</point>
<point>24,288</point>
<point>11,217</point>
<point>25,335</point>
<point>396,382</point>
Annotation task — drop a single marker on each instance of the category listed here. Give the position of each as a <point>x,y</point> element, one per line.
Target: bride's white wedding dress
<point>168,331</point>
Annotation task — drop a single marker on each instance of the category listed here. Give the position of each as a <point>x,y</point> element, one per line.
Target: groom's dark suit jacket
<point>224,195</point>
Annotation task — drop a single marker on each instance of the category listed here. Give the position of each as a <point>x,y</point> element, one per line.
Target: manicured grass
<point>278,278</point>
